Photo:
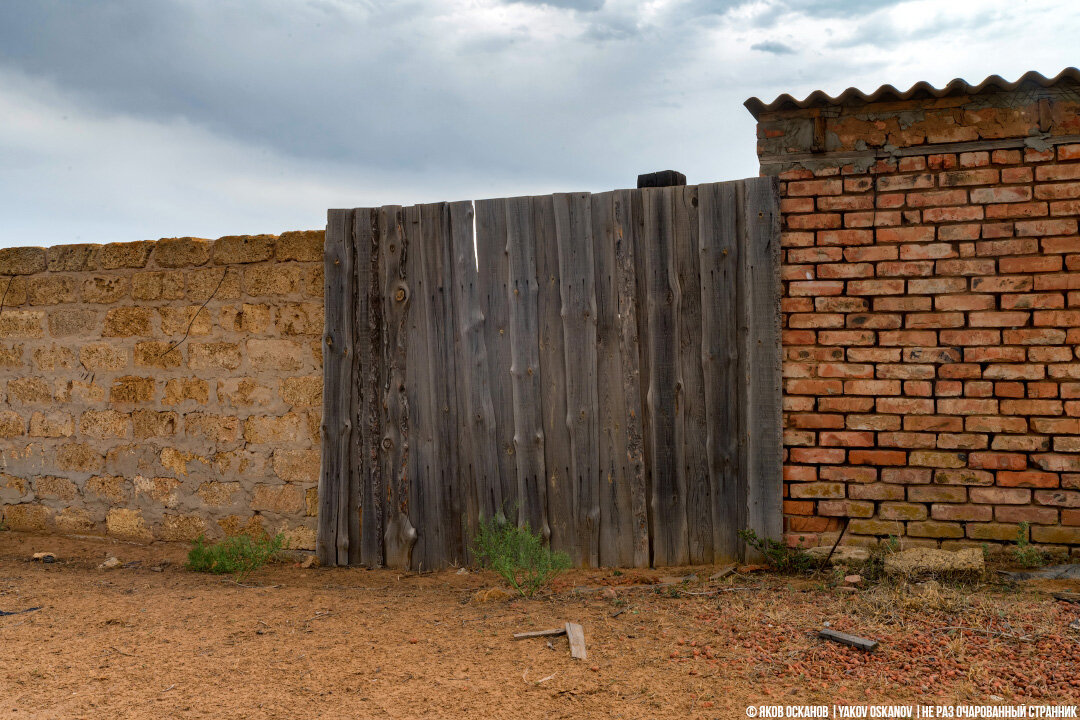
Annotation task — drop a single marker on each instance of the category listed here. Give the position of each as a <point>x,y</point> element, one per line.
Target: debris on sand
<point>491,595</point>
<point>111,562</point>
<point>44,557</point>
<point>1054,572</point>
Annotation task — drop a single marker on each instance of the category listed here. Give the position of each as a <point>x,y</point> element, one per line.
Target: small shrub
<point>779,556</point>
<point>874,568</point>
<point>238,556</point>
<point>517,555</point>
<point>1024,553</point>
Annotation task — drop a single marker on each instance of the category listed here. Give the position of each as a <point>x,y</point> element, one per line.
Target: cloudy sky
<point>137,119</point>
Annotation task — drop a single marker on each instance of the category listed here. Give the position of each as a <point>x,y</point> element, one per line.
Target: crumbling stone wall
<point>931,314</point>
<point>130,409</point>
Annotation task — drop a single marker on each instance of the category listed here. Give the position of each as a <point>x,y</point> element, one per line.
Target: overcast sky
<point>128,120</point>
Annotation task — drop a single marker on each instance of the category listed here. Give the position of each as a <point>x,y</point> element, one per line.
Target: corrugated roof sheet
<point>887,93</point>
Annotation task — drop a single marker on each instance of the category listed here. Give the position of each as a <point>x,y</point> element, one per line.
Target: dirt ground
<point>155,640</point>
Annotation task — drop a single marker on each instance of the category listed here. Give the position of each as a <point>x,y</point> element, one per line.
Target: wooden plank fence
<point>602,367</point>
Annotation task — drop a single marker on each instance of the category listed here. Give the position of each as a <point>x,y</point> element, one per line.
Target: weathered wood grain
<point>493,270</point>
<point>624,234</point>
<point>576,635</point>
<point>616,514</point>
<point>761,238</point>
<point>668,501</point>
<point>337,360</point>
<point>525,367</point>
<point>718,242</point>
<point>481,463</point>
<point>399,535</point>
<point>573,226</point>
<point>691,388</point>
<point>366,486</point>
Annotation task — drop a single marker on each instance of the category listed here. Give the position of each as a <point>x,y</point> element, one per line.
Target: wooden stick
<point>540,633</point>
<point>845,639</point>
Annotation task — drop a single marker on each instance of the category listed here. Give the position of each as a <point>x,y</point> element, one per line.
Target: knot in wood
<point>387,444</point>
<point>400,294</point>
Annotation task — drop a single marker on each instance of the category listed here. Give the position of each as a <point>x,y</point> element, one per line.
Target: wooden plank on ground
<point>493,268</point>
<point>425,499</point>
<point>668,501</point>
<point>627,218</point>
<point>616,510</point>
<point>761,264</point>
<point>845,639</point>
<point>479,455</point>
<point>540,633</point>
<point>525,367</point>
<point>399,535</point>
<point>573,226</point>
<point>560,495</point>
<point>719,256</point>
<point>576,635</point>
<point>337,358</point>
<point>691,388</point>
<point>366,489</point>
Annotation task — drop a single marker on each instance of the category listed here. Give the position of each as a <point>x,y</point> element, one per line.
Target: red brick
<point>845,237</point>
<point>849,474</point>
<point>874,321</point>
<point>977,513</point>
<point>878,457</point>
<point>1034,336</point>
<point>996,424</point>
<point>797,386</point>
<point>907,440</point>
<point>937,198</point>
<point>1057,172</point>
<point>807,524</point>
<point>1008,318</point>
<point>997,230</point>
<point>967,406</point>
<point>999,495</point>
<point>905,234</point>
<point>1069,152</point>
<point>1060,281</point>
<point>905,406</point>
<point>1064,207</point>
<point>937,459</point>
<point>937,286</point>
<point>1060,498</point>
<point>875,287</point>
<point>966,267</point>
<point>1050,263</point>
<point>1020,513</point>
<point>845,439</point>
<point>1007,157</point>
<point>1057,318</point>
<point>798,507</point>
<point>997,461</point>
<point>846,337</point>
<point>964,302</point>
<point>1017,210</point>
<point>953,233</point>
<point>1058,191</point>
<point>815,187</point>
<point>816,287</point>
<point>817,221</point>
<point>1046,227</point>
<point>906,475</point>
<point>800,473</point>
<point>919,321</point>
<point>889,183</point>
<point>960,213</point>
<point>938,423</point>
<point>1031,407</point>
<point>1001,195</point>
<point>1027,479</point>
<point>1017,175</point>
<point>845,202</point>
<point>968,177</point>
<point>970,337</point>
<point>824,456</point>
<point>1002,283</point>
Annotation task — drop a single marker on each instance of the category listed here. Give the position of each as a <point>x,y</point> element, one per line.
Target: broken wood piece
<point>576,635</point>
<point>1069,597</point>
<point>722,573</point>
<point>540,633</point>
<point>845,639</point>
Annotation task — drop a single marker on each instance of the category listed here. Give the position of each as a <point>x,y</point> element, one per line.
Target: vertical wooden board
<point>366,489</point>
<point>668,500</point>
<point>616,511</point>
<point>573,225</point>
<point>560,491</point>
<point>625,233</point>
<point>425,499</point>
<point>399,535</point>
<point>525,367</point>
<point>435,231</point>
<point>479,459</point>
<point>337,361</point>
<point>636,222</point>
<point>493,268</point>
<point>691,389</point>
<point>718,242</point>
<point>761,252</point>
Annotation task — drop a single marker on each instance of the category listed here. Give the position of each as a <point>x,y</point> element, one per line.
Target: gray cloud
<point>771,46</point>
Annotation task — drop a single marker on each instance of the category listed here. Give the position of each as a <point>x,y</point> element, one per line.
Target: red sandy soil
<point>153,642</point>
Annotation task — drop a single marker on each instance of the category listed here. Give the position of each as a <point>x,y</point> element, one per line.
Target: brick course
<point>113,423</point>
<point>931,318</point>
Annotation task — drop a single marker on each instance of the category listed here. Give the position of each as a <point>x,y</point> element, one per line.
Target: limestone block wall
<point>162,390</point>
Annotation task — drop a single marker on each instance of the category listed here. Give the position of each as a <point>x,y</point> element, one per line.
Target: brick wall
<point>111,422</point>
<point>931,314</point>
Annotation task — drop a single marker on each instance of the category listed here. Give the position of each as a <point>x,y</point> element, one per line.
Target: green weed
<point>1023,552</point>
<point>238,556</point>
<point>517,555</point>
<point>779,556</point>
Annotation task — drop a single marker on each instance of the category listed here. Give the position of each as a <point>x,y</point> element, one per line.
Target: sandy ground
<point>151,641</point>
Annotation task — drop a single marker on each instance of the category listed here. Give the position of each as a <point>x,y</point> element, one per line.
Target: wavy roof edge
<point>888,93</point>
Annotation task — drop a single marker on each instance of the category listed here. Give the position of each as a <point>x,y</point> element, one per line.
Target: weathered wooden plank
<point>761,264</point>
<point>493,268</point>
<point>718,242</point>
<point>573,229</point>
<point>668,500</point>
<point>559,489</point>
<point>576,635</point>
<point>624,234</point>
<point>399,535</point>
<point>480,460</point>
<point>525,367</point>
<point>691,389</point>
<point>845,639</point>
<point>435,231</point>
<point>366,485</point>
<point>540,633</point>
<point>337,359</point>
<point>616,512</point>
<point>425,498</point>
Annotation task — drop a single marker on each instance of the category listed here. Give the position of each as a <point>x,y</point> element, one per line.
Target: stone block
<point>218,494</point>
<point>302,246</point>
<point>159,489</point>
<point>128,322</point>
<point>243,249</point>
<point>27,517</point>
<point>51,486</point>
<point>157,354</point>
<point>153,424</point>
<point>243,392</point>
<point>72,258</point>
<point>282,499</point>
<point>124,255</point>
<point>73,321</point>
<point>220,355</point>
<point>273,279</point>
<point>11,424</point>
<point>14,489</point>
<point>314,281</point>
<point>262,429</point>
<point>53,357</point>
<point>233,525</point>
<point>179,390</point>
<point>302,391</point>
<point>103,356</point>
<point>246,318</point>
<point>110,487</point>
<point>181,252</point>
<point>131,389</point>
<point>181,528</point>
<point>51,424</point>
<point>22,260</point>
<point>215,429</point>
<point>22,323</point>
<point>79,457</point>
<point>221,283</point>
<point>300,319</point>
<point>75,521</point>
<point>272,354</point>
<point>29,390</point>
<point>127,524</point>
<point>103,424</point>
<point>157,285</point>
<point>921,562</point>
<point>298,538</point>
<point>11,356</point>
<point>311,502</point>
<point>105,289</point>
<point>193,320</point>
<point>302,466</point>
<point>52,290</point>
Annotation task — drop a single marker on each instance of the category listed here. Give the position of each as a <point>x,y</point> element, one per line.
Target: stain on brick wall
<point>931,310</point>
<point>128,409</point>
